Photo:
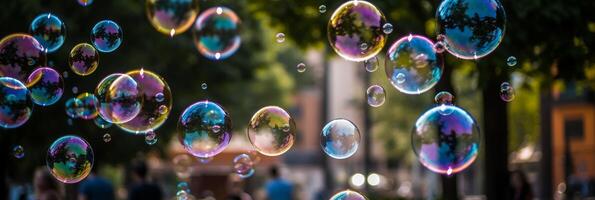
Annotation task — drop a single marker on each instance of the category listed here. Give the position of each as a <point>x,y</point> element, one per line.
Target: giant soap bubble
<point>471,28</point>
<point>20,54</point>
<point>70,159</point>
<point>49,30</point>
<point>271,131</point>
<point>15,103</point>
<point>172,17</point>
<point>216,33</point>
<point>204,129</point>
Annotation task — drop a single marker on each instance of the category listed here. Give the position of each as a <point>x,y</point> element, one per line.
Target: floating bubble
<point>472,29</point>
<point>83,59</point>
<point>446,143</point>
<point>70,159</point>
<point>506,92</point>
<point>376,95</point>
<point>243,166</point>
<point>216,33</point>
<point>183,186</point>
<point>322,8</point>
<point>85,2</point>
<point>439,47</point>
<point>88,106</point>
<point>340,138</point>
<point>172,17</point>
<point>106,36</point>
<point>183,166</point>
<point>75,90</point>
<point>20,54</point>
<point>149,117</point>
<point>18,151</point>
<point>271,131</point>
<point>204,129</point>
<point>73,107</point>
<point>280,37</point>
<point>412,65</point>
<point>387,28</point>
<point>444,97</point>
<point>102,123</point>
<point>301,67</point>
<point>348,195</point>
<point>371,64</point>
<point>49,31</point>
<point>15,103</point>
<point>511,61</point>
<point>355,23</point>
<point>46,86</point>
<point>106,137</point>
<point>159,97</point>
<point>151,137</point>
<point>120,98</point>
<point>204,86</point>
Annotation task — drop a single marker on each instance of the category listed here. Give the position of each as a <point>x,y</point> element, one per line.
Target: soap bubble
<point>102,123</point>
<point>183,165</point>
<point>205,160</point>
<point>444,97</point>
<point>49,31</point>
<point>75,90</point>
<point>204,86</point>
<point>70,159</point>
<point>88,106</point>
<point>446,143</point>
<point>151,137</point>
<point>85,2</point>
<point>216,33</point>
<point>73,107</point>
<point>387,28</point>
<point>280,37</point>
<point>412,65</point>
<point>371,64</point>
<point>183,186</point>
<point>20,54</point>
<point>271,131</point>
<point>15,103</point>
<point>119,97</point>
<point>472,29</point>
<point>171,17</point>
<point>511,61</point>
<point>196,129</point>
<point>439,47</point>
<point>340,138</point>
<point>243,166</point>
<point>18,151</point>
<point>322,8</point>
<point>83,59</point>
<point>348,195</point>
<point>149,117</point>
<point>353,24</point>
<point>106,137</point>
<point>301,67</point>
<point>376,95</point>
<point>106,36</point>
<point>506,92</point>
<point>46,86</point>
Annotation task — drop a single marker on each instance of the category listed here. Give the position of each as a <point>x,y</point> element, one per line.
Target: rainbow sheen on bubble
<point>243,166</point>
<point>150,116</point>
<point>271,131</point>
<point>83,59</point>
<point>106,36</point>
<point>73,107</point>
<point>88,106</point>
<point>348,195</point>
<point>355,31</point>
<point>120,98</point>
<point>183,165</point>
<point>375,95</point>
<point>204,129</point>
<point>46,86</point>
<point>446,139</point>
<point>507,93</point>
<point>444,97</point>
<point>49,30</point>
<point>172,17</point>
<point>472,29</point>
<point>340,138</point>
<point>18,151</point>
<point>216,33</point>
<point>70,159</point>
<point>15,103</point>
<point>412,65</point>
<point>20,54</point>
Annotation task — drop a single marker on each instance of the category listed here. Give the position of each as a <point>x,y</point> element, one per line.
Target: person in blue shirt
<point>277,188</point>
<point>95,187</point>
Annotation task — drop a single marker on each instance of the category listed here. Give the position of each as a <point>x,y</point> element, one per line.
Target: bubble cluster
<point>15,103</point>
<point>506,92</point>
<point>243,166</point>
<point>20,54</point>
<point>83,59</point>
<point>354,25</point>
<point>472,29</point>
<point>119,98</point>
<point>412,65</point>
<point>348,195</point>
<point>88,106</point>
<point>371,64</point>
<point>49,31</point>
<point>375,95</point>
<point>46,86</point>
<point>301,67</point>
<point>216,33</point>
<point>511,61</point>
<point>446,142</point>
<point>340,138</point>
<point>18,151</point>
<point>70,159</point>
<point>271,131</point>
<point>171,17</point>
<point>183,165</point>
<point>106,36</point>
<point>204,129</point>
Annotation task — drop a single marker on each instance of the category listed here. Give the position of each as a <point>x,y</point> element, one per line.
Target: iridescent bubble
<point>46,86</point>
<point>20,54</point>
<point>301,67</point>
<point>49,31</point>
<point>216,33</point>
<point>322,8</point>
<point>387,28</point>
<point>472,29</point>
<point>88,106</point>
<point>511,61</point>
<point>106,137</point>
<point>196,130</point>
<point>183,165</point>
<point>151,137</point>
<point>73,107</point>
<point>83,59</point>
<point>102,123</point>
<point>446,143</point>
<point>348,195</point>
<point>204,86</point>
<point>15,103</point>
<point>149,117</point>
<point>119,97</point>
<point>271,131</point>
<point>371,64</point>
<point>375,95</point>
<point>412,65</point>
<point>106,36</point>
<point>506,92</point>
<point>355,23</point>
<point>85,2</point>
<point>439,47</point>
<point>243,166</point>
<point>18,151</point>
<point>280,37</point>
<point>205,160</point>
<point>70,159</point>
<point>340,138</point>
<point>171,17</point>
<point>444,97</point>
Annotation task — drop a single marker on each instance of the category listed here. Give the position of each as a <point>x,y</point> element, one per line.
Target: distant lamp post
<point>358,180</point>
<point>373,179</point>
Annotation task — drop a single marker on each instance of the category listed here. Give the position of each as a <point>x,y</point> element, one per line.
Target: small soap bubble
<point>322,8</point>
<point>387,28</point>
<point>371,64</point>
<point>280,37</point>
<point>107,137</point>
<point>203,86</point>
<point>511,61</point>
<point>18,151</point>
<point>301,67</point>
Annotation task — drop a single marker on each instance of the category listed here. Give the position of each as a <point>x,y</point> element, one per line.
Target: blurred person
<point>235,188</point>
<point>95,187</point>
<point>141,189</point>
<point>277,188</point>
<point>520,187</point>
<point>45,186</point>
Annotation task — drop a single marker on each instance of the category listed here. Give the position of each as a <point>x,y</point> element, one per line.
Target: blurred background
<point>547,132</point>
